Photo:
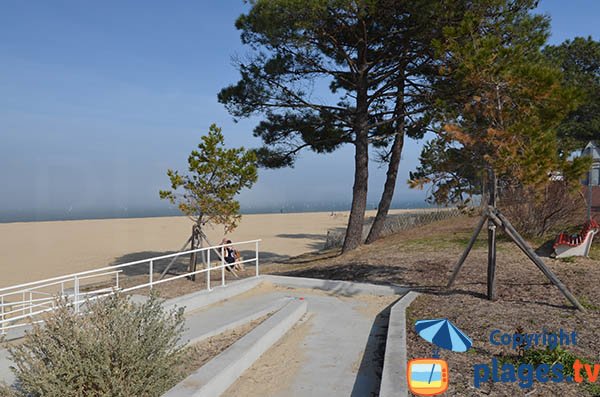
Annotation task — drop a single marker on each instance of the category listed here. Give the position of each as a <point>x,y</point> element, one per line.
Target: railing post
<point>208,270</point>
<point>117,280</point>
<point>30,302</point>
<point>62,289</point>
<point>256,253</point>
<point>223,266</point>
<point>76,293</point>
<point>2,332</point>
<point>151,273</point>
<point>23,304</point>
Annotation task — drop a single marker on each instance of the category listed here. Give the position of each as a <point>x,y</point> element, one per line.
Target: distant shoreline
<point>174,213</point>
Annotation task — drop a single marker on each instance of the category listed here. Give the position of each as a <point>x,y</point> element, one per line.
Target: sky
<point>99,99</point>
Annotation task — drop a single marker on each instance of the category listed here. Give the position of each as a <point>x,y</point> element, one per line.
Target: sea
<point>36,215</point>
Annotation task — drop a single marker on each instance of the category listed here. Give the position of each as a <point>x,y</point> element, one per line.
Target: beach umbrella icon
<point>443,334</point>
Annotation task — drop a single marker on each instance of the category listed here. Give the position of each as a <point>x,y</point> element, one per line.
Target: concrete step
<point>213,378</point>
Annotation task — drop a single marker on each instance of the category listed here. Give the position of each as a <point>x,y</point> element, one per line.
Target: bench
<point>567,244</point>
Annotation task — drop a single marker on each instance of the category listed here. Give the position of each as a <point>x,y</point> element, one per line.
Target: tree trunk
<point>354,235</point>
<point>390,185</point>
<point>393,166</point>
<point>354,232</point>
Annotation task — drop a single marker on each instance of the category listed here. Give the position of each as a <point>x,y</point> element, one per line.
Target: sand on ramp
<point>31,251</point>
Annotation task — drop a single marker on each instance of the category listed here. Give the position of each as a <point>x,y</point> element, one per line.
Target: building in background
<point>592,182</point>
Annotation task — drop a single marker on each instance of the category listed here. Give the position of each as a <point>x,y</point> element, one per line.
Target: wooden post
<point>193,256</point>
<point>162,275</point>
<point>501,221</point>
<point>462,259</point>
<point>491,270</point>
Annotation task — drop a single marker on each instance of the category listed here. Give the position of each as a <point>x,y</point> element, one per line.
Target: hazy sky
<point>98,99</point>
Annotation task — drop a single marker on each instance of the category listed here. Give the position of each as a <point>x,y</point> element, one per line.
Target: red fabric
<point>573,240</point>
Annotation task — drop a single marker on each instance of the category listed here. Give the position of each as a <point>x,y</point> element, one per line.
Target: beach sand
<point>31,251</point>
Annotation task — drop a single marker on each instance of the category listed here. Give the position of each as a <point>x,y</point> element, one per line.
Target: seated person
<point>231,256</point>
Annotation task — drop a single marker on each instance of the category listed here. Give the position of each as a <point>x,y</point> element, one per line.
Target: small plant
<point>585,302</point>
<point>568,259</point>
<point>118,349</point>
<point>537,356</point>
<point>552,356</point>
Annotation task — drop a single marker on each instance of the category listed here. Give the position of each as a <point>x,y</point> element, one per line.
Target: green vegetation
<point>216,176</point>
<point>499,107</point>
<point>579,59</point>
<point>595,250</point>
<point>118,349</point>
<point>585,302</point>
<point>373,56</point>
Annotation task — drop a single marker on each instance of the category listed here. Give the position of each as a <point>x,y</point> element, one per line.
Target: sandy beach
<point>31,251</point>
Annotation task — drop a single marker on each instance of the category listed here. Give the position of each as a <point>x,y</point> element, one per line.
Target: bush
<point>543,214</point>
<point>118,349</point>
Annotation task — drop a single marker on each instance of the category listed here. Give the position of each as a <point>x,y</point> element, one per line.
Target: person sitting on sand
<point>231,256</point>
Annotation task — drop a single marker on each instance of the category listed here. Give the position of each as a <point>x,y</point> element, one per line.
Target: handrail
<point>68,276</point>
<point>26,306</point>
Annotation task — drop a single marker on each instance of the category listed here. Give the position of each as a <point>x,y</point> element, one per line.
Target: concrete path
<point>339,352</point>
<point>215,319</point>
<point>6,374</point>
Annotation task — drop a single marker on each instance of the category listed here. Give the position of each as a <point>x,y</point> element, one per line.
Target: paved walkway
<point>340,349</point>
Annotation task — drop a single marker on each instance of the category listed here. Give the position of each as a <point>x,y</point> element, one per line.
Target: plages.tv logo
<point>429,376</point>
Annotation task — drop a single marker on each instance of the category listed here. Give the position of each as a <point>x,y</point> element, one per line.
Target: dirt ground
<point>423,258</point>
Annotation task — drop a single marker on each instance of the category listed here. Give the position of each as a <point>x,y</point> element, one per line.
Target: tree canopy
<point>325,73</point>
<point>499,106</point>
<point>215,176</point>
<point>579,60</point>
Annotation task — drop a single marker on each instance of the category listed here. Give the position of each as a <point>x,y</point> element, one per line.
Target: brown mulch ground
<point>422,258</point>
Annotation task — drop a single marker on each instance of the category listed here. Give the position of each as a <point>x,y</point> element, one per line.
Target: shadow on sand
<point>318,242</point>
<point>182,262</point>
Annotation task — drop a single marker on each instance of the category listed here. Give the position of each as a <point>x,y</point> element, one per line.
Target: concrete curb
<point>346,288</point>
<point>218,374</point>
<point>278,305</point>
<point>393,377</point>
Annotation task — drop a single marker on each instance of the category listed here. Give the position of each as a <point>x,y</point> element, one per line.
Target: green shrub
<point>118,349</point>
<point>537,356</point>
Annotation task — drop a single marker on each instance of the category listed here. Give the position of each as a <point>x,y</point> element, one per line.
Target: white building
<point>593,150</point>
<point>593,189</point>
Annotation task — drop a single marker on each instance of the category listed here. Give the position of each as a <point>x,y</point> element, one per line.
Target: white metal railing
<point>24,304</point>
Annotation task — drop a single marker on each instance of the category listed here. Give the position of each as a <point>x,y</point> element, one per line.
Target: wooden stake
<point>193,256</point>
<point>491,270</point>
<point>162,275</point>
<point>462,259</point>
<point>501,221</point>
